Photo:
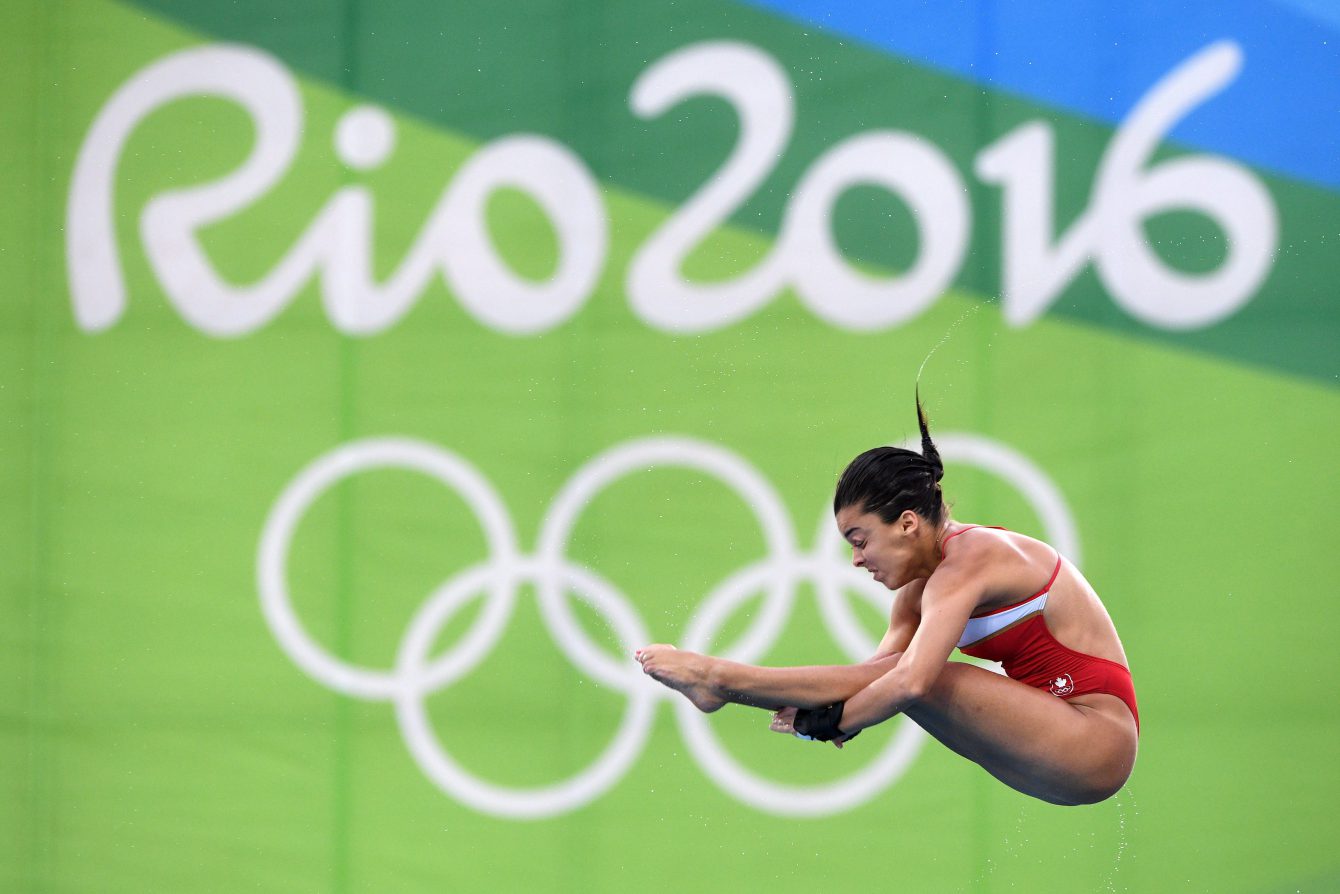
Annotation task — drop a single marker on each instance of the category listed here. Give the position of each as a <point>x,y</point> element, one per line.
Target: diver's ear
<point>908,523</point>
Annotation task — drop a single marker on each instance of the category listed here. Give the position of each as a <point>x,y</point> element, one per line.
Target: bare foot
<point>685,672</point>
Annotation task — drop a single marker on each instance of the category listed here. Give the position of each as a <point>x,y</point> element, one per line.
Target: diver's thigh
<point>1027,738</point>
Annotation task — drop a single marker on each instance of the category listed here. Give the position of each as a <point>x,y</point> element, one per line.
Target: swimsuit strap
<point>1051,580</point>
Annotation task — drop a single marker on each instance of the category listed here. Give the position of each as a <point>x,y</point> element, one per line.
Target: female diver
<point>1062,726</point>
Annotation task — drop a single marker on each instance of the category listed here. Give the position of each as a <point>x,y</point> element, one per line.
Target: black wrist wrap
<point>820,723</point>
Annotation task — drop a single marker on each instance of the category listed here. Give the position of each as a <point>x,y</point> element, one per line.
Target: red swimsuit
<point>1017,636</point>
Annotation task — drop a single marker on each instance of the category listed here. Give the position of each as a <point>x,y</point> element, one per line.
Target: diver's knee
<point>1102,788</point>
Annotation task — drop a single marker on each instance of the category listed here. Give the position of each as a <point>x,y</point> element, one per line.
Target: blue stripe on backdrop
<point>1098,58</point>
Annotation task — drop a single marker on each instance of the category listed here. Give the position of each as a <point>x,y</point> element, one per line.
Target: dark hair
<point>890,480</point>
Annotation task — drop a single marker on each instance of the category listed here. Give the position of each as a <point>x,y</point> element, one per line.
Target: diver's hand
<point>783,721</point>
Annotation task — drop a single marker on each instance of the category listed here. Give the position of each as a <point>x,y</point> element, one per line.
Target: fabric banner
<point>378,376</point>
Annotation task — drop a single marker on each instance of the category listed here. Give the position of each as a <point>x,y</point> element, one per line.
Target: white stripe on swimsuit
<point>980,628</point>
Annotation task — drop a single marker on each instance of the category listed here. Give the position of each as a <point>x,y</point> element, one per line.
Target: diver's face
<point>887,550</point>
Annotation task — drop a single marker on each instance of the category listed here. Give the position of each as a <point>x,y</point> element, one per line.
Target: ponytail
<point>928,450</point>
<point>890,480</point>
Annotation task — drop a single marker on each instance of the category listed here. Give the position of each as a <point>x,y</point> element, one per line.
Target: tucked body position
<point>1061,725</point>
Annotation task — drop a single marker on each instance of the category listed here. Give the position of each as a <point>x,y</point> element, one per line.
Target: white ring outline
<point>521,803</point>
<point>645,454</point>
<point>768,795</point>
<point>299,495</point>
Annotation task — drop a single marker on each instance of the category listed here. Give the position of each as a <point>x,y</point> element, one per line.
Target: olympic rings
<point>415,674</point>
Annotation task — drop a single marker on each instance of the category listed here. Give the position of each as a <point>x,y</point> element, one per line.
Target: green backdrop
<point>241,499</point>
